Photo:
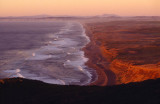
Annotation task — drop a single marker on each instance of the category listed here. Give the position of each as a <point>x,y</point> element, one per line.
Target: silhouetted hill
<point>24,91</point>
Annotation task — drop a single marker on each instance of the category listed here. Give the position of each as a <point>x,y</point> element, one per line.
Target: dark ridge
<point>24,91</point>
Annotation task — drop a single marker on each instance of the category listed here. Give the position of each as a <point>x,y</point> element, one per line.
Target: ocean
<point>47,51</point>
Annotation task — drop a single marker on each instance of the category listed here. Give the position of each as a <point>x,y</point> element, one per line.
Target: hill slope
<point>24,91</point>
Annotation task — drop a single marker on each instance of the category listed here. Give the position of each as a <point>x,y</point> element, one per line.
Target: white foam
<point>66,42</point>
<point>80,68</point>
<point>68,61</point>
<point>62,82</point>
<point>39,57</point>
<point>20,75</point>
<point>84,33</point>
<point>61,47</point>
<point>15,73</point>
<point>50,42</point>
<point>33,54</point>
<point>18,70</point>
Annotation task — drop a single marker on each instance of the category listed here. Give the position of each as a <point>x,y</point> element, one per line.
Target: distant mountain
<point>40,16</point>
<point>109,15</point>
<point>22,17</point>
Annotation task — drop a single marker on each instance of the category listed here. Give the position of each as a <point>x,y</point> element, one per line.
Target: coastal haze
<point>46,51</point>
<point>79,51</point>
<point>120,51</point>
<point>79,7</point>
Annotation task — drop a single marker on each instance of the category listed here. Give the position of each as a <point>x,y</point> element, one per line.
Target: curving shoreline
<point>59,59</point>
<point>97,61</point>
<point>90,71</point>
<point>123,51</point>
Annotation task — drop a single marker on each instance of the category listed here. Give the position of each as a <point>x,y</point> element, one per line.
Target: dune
<point>124,51</point>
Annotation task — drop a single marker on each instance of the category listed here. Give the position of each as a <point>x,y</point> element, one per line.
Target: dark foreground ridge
<point>24,91</point>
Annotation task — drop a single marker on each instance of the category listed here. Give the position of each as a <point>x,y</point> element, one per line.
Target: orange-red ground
<point>124,51</point>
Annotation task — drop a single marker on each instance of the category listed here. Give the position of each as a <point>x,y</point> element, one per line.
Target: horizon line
<point>48,15</point>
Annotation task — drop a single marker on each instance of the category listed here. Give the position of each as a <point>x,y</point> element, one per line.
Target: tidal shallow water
<point>46,51</point>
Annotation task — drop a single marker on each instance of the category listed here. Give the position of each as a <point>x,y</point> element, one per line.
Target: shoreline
<point>104,75</point>
<point>115,53</point>
<point>40,63</point>
<point>92,72</point>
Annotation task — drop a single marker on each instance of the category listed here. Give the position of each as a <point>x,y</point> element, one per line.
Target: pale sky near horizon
<point>80,7</point>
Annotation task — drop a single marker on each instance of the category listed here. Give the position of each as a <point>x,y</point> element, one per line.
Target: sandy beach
<point>123,51</point>
<point>98,62</point>
<point>120,51</point>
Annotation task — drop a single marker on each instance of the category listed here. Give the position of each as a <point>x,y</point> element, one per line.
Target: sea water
<point>47,51</point>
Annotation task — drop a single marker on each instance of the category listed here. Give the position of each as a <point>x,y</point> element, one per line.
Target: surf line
<point>91,72</point>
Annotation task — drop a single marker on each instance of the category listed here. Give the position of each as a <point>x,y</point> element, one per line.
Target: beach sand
<point>123,51</point>
<point>98,62</point>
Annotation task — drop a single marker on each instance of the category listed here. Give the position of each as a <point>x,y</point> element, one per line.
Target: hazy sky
<point>79,7</point>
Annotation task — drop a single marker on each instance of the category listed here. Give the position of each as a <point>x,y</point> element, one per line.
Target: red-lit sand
<point>123,51</point>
